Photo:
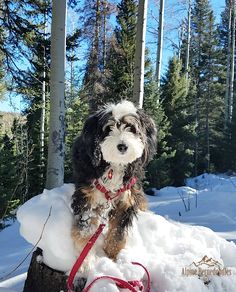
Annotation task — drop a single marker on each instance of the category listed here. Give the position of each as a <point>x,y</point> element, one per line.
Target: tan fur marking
<point>79,241</point>
<point>113,244</point>
<point>138,193</point>
<point>89,193</point>
<point>130,120</point>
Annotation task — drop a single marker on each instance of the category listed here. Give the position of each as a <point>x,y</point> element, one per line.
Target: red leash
<point>82,256</point>
<point>120,283</point>
<point>124,284</point>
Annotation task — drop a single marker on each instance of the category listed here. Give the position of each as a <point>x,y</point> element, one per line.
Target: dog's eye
<point>107,129</point>
<point>131,128</point>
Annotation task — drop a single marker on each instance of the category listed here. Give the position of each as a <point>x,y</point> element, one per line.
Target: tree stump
<point>41,278</point>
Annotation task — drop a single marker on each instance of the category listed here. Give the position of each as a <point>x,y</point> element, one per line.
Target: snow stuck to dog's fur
<point>164,247</point>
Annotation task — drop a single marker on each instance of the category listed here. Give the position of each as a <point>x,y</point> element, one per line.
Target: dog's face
<point>120,134</point>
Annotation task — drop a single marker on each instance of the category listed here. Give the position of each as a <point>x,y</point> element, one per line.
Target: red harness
<point>106,192</point>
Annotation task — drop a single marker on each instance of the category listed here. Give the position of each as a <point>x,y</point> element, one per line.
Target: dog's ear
<point>150,130</point>
<point>91,139</point>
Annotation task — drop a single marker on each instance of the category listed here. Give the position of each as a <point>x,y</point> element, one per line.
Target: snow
<point>209,199</point>
<point>165,243</point>
<point>56,241</point>
<point>13,248</point>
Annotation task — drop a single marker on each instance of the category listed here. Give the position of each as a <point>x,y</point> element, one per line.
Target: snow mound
<point>208,200</point>
<point>164,247</point>
<point>56,242</point>
<point>212,182</point>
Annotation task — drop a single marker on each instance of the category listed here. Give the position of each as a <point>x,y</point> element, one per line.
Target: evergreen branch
<point>13,194</point>
<point>21,180</point>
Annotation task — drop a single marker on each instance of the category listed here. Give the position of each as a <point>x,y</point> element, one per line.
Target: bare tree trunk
<point>94,62</point>
<point>138,89</point>
<point>196,111</point>
<point>228,69</point>
<point>160,43</point>
<point>104,53</point>
<point>208,97</point>
<point>188,41</point>
<point>43,107</point>
<point>56,147</point>
<point>41,278</point>
<point>232,64</point>
<point>180,39</point>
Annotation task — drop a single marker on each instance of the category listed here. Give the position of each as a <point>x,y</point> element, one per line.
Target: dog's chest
<point>112,179</point>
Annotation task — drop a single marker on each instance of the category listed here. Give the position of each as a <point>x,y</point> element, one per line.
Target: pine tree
<point>13,170</point>
<point>226,31</point>
<point>75,117</point>
<point>120,63</point>
<point>179,110</point>
<point>204,61</point>
<point>2,73</point>
<point>96,14</point>
<point>8,177</point>
<point>157,174</point>
<point>20,22</point>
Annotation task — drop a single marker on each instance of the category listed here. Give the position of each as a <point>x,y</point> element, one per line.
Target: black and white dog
<point>108,159</point>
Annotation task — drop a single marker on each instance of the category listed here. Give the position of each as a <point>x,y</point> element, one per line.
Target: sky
<point>15,103</point>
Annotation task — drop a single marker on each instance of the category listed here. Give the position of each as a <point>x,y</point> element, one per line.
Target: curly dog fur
<point>115,145</point>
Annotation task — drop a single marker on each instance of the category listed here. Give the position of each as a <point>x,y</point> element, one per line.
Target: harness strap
<point>106,192</point>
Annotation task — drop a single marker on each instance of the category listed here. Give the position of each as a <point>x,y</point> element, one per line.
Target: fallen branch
<point>30,252</point>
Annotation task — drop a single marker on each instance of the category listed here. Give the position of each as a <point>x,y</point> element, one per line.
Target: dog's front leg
<point>117,232</point>
<point>84,225</point>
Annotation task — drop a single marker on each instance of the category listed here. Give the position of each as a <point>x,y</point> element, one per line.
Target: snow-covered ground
<point>13,248</point>
<point>206,200</point>
<point>167,243</point>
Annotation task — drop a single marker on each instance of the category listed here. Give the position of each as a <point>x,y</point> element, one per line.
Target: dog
<point>109,157</point>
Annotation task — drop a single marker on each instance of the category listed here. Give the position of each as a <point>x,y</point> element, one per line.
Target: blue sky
<point>15,102</point>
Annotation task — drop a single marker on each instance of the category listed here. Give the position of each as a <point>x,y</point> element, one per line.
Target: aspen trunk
<point>188,41</point>
<point>231,85</point>
<point>104,41</point>
<point>56,147</point>
<point>160,43</point>
<point>228,70</point>
<point>138,89</point>
<point>42,118</point>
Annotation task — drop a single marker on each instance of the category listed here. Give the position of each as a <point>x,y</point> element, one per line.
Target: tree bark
<point>43,107</point>
<point>228,69</point>
<point>160,43</point>
<point>56,147</point>
<point>188,42</point>
<point>41,278</point>
<point>231,85</point>
<point>138,89</point>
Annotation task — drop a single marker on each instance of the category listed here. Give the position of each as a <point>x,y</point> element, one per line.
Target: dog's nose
<point>122,147</point>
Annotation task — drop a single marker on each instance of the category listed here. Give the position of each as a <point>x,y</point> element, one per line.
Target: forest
<point>193,101</point>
